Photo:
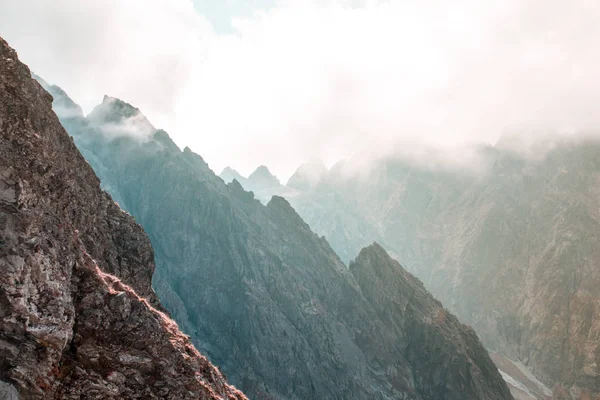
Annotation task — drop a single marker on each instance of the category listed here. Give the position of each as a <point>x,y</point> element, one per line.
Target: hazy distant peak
<point>229,170</point>
<point>229,174</point>
<point>262,176</point>
<point>262,170</point>
<point>308,174</point>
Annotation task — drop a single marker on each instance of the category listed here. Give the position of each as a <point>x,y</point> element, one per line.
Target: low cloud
<point>324,79</point>
<point>114,118</point>
<point>135,126</point>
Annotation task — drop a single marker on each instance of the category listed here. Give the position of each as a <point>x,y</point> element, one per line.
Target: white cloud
<point>141,50</point>
<point>323,78</point>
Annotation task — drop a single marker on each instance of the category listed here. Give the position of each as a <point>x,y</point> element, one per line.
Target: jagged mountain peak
<point>284,208</point>
<point>428,328</point>
<point>116,117</point>
<point>262,176</point>
<point>236,186</point>
<point>196,160</point>
<point>229,170</point>
<point>262,170</point>
<point>372,250</point>
<point>229,174</point>
<point>118,106</point>
<point>376,257</point>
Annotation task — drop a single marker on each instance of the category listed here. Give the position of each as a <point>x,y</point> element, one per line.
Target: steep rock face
<point>78,316</point>
<point>432,332</point>
<point>269,300</point>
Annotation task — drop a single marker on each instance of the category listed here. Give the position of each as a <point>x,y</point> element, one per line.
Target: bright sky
<point>271,82</point>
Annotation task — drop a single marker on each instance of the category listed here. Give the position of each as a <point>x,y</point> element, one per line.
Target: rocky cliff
<point>266,298</point>
<point>78,316</point>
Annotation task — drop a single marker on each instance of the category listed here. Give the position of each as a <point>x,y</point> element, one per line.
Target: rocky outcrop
<point>270,301</point>
<point>78,316</point>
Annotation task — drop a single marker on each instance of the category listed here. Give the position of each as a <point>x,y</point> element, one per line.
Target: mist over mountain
<point>308,175</point>
<point>408,204</point>
<point>511,248</point>
<point>268,300</point>
<point>470,235</point>
<point>368,74</point>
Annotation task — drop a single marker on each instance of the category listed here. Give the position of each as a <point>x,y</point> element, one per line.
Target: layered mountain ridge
<point>512,248</point>
<point>270,301</point>
<point>78,316</point>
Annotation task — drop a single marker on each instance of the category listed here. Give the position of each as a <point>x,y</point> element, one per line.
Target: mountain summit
<point>229,174</point>
<point>118,118</point>
<point>262,178</point>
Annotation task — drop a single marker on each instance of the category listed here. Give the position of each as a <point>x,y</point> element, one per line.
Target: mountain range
<point>264,297</point>
<point>293,290</point>
<point>511,246</point>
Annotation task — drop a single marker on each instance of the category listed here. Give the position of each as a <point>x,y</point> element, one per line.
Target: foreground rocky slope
<point>265,297</point>
<point>78,317</point>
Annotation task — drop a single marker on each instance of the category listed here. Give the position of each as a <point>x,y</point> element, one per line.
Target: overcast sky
<point>271,82</point>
